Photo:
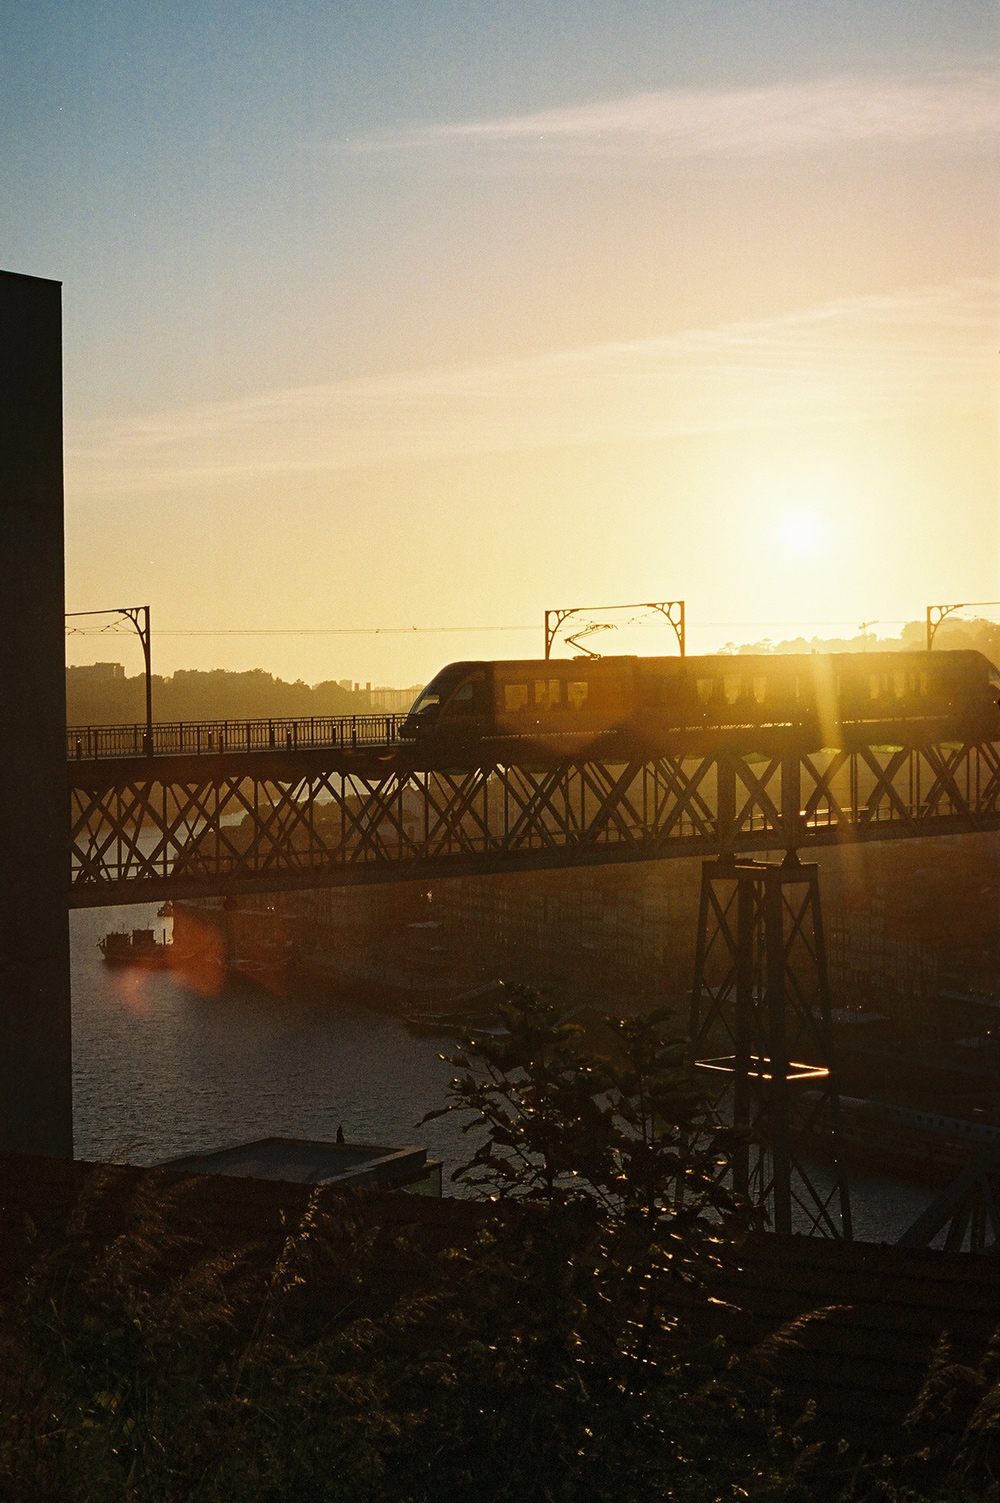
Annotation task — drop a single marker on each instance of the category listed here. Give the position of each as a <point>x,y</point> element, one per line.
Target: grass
<point>360,1357</point>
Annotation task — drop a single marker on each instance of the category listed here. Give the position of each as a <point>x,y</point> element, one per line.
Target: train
<point>751,701</point>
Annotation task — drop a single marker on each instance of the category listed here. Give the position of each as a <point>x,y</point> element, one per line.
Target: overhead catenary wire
<point>406,631</point>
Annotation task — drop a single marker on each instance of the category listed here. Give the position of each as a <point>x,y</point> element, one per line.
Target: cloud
<point>695,122</point>
<point>912,351</point>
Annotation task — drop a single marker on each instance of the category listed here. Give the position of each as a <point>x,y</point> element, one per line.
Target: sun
<point>800,533</point>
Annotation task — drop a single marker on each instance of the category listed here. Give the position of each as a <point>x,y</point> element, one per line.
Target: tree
<point>627,1126</point>
<point>606,1164</point>
<point>618,1145</point>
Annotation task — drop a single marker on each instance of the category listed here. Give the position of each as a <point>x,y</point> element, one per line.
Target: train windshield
<point>430,699</point>
<point>425,700</point>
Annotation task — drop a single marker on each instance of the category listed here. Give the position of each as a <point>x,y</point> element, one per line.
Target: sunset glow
<point>441,332</point>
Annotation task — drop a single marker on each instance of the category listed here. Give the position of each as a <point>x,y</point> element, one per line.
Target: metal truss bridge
<point>224,808</point>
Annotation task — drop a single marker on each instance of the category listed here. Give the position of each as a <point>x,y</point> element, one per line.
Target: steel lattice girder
<point>761,1034</point>
<point>143,830</point>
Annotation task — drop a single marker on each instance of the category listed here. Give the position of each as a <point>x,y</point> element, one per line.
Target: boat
<point>138,947</point>
<point>271,965</point>
<point>455,1025</point>
<point>474,1013</point>
<point>926,1142</point>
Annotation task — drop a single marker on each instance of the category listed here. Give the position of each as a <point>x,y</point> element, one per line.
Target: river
<point>161,1070</point>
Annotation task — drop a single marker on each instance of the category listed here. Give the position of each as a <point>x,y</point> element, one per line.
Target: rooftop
<point>304,1161</point>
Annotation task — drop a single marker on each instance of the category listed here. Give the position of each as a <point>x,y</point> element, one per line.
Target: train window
<point>576,693</point>
<point>759,688</point>
<point>923,683</point>
<point>899,684</point>
<point>515,696</point>
<point>873,686</point>
<point>468,697</point>
<point>546,693</point>
<point>731,687</point>
<point>706,688</point>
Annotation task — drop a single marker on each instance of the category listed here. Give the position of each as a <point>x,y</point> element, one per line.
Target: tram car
<point>753,701</point>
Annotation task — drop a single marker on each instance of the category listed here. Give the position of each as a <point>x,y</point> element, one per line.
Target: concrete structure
<point>302,1161</point>
<point>35,1063</point>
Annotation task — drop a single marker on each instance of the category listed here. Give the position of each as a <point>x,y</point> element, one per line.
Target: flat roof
<point>305,1161</point>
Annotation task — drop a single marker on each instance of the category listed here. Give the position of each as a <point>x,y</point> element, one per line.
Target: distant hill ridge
<point>953,635</point>
<point>102,694</point>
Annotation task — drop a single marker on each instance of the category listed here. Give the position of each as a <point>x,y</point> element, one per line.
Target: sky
<point>437,315</point>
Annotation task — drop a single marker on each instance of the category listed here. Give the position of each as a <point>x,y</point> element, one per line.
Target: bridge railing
<point>212,737</point>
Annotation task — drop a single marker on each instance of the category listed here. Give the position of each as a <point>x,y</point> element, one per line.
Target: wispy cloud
<point>695,122</point>
<point>920,350</point>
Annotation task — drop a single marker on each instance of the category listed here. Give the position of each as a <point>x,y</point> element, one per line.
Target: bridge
<point>233,807</point>
<point>230,807</point>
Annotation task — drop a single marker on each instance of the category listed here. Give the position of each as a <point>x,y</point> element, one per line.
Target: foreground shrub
<point>546,1351</point>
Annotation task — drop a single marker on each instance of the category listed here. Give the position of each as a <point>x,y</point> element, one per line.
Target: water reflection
<point>161,1069</point>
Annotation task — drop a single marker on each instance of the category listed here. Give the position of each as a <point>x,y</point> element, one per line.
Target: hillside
<point>101,694</point>
<point>954,635</point>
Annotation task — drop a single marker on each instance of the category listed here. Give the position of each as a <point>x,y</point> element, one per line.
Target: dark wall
<point>36,1112</point>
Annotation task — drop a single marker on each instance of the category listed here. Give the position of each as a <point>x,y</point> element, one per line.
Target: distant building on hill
<point>386,701</point>
<point>99,673</point>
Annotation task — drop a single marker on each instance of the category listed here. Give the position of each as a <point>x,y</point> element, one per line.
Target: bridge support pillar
<point>760,1031</point>
<point>36,1092</point>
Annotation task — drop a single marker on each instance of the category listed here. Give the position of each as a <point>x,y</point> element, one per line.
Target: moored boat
<point>136,947</point>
